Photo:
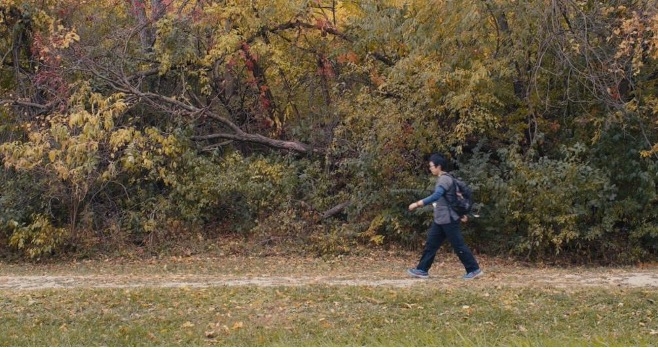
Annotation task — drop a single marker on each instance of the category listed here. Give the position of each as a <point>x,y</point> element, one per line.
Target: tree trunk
<point>146,31</point>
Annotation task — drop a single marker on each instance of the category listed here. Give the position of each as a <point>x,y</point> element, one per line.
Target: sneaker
<point>473,275</point>
<point>418,273</point>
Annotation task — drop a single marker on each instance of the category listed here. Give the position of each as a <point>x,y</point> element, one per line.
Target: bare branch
<point>25,104</point>
<point>238,134</point>
<point>335,210</point>
<point>259,139</point>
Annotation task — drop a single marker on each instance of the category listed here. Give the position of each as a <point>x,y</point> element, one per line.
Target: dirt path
<point>630,279</point>
<point>215,272</point>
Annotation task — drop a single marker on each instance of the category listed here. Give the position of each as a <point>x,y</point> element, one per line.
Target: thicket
<point>308,124</point>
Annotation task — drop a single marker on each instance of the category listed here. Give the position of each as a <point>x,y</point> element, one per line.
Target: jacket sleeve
<point>438,193</point>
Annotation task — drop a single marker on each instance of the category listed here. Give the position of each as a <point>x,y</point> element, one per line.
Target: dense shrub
<point>28,215</point>
<point>542,208</point>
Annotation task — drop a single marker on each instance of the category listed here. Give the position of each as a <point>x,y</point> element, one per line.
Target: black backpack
<point>462,201</point>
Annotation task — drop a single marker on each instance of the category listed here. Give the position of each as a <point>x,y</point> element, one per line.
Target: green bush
<point>28,215</point>
<point>229,188</point>
<point>632,218</point>
<point>37,238</point>
<point>542,208</point>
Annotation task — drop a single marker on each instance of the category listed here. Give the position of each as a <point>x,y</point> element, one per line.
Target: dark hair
<point>438,160</point>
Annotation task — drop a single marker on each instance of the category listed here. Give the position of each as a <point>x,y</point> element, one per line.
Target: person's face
<point>435,169</point>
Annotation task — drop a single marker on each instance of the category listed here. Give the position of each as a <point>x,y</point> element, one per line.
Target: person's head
<point>437,163</point>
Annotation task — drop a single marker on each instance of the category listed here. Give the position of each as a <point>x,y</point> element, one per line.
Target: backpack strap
<point>449,199</point>
<point>454,182</point>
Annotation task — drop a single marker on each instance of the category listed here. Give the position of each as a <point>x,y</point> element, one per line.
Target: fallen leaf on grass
<point>373,300</point>
<point>188,324</point>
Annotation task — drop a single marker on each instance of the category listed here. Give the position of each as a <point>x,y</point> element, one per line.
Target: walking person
<point>445,224</point>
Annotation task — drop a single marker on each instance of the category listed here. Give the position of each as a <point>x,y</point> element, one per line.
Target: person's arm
<point>438,193</point>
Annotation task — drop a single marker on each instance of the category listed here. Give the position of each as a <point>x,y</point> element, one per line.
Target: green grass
<point>317,315</point>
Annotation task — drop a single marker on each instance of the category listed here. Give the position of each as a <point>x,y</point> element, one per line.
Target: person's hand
<point>464,218</point>
<point>414,205</point>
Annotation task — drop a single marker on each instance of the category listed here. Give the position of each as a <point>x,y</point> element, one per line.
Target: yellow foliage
<point>650,152</point>
<point>121,137</point>
<point>38,238</point>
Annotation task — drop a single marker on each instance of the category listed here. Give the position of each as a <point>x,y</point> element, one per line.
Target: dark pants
<point>436,235</point>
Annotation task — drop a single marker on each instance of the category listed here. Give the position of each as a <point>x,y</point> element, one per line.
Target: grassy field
<point>445,311</point>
